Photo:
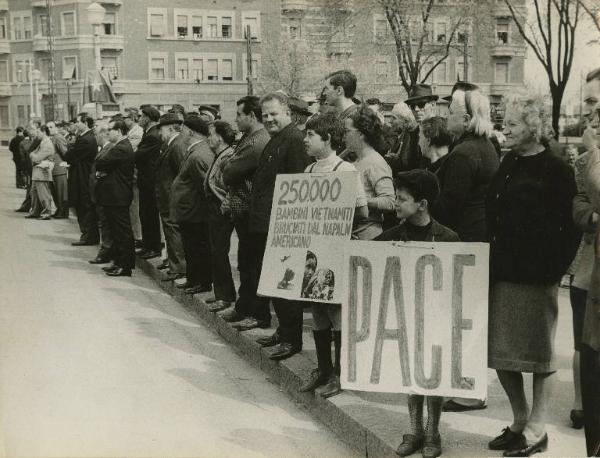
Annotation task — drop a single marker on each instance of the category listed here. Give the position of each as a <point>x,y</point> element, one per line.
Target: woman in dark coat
<point>533,241</point>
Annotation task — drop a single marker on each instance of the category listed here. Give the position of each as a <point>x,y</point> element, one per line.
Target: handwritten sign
<point>311,214</point>
<point>415,318</point>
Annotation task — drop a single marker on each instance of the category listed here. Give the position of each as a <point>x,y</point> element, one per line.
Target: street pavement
<point>98,366</point>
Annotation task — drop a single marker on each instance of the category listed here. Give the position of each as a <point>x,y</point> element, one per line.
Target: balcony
<point>502,89</point>
<point>502,10</point>
<point>506,50</point>
<point>294,6</point>
<point>340,46</point>
<point>3,5</point>
<point>111,2</point>
<point>40,43</point>
<point>116,42</point>
<point>5,90</point>
<point>38,3</point>
<point>4,47</point>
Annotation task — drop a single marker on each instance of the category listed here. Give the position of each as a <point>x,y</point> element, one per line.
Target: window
<point>253,23</point>
<point>212,70</point>
<point>68,24</point>
<point>441,34</point>
<point>4,71</point>
<point>227,69</point>
<point>226,31</point>
<point>255,66</point>
<point>110,66</point>
<point>44,67</point>
<point>501,74</point>
<point>182,26</point>
<point>69,66</point>
<point>27,27</point>
<point>381,70</point>
<point>211,25</point>
<point>2,28</point>
<point>110,24</point>
<point>197,26</point>
<point>381,28</point>
<point>22,112</point>
<point>18,28</point>
<point>197,70</point>
<point>157,68</point>
<point>183,69</point>
<point>439,74</point>
<point>157,25</point>
<point>502,31</point>
<point>43,25</point>
<point>4,116</point>
<point>22,71</point>
<point>295,28</point>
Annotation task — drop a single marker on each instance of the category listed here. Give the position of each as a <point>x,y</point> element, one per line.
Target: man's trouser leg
<point>194,237</point>
<point>259,307</point>
<point>120,228</point>
<point>175,252</point>
<point>290,317</point>
<point>220,230</point>
<point>60,195</point>
<point>149,218</point>
<point>106,238</point>
<point>246,293</point>
<point>590,391</point>
<point>134,214</point>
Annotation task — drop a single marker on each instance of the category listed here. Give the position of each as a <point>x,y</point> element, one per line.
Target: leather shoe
<point>250,323</point>
<point>506,440</point>
<point>453,406</point>
<point>210,300</point>
<point>432,447</point>
<point>119,272</point>
<point>164,265</point>
<point>232,316</point>
<point>269,341</point>
<point>317,379</point>
<point>83,243</point>
<point>576,419</point>
<point>138,244</point>
<point>30,217</point>
<point>197,289</point>
<point>173,276</point>
<point>524,448</point>
<point>219,305</point>
<point>331,388</point>
<point>184,285</point>
<point>150,254</point>
<point>140,251</point>
<point>22,210</point>
<point>410,444</point>
<point>284,350</point>
<point>110,268</point>
<point>99,260</point>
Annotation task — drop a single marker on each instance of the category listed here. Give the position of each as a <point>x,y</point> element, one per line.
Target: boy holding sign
<point>324,134</point>
<point>416,192</point>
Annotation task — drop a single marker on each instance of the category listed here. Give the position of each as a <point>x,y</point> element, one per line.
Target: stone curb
<point>289,374</point>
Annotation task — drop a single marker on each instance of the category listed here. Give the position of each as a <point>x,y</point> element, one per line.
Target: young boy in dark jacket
<point>416,193</point>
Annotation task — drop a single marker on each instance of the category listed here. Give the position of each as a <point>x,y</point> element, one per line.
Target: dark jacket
<point>188,199</point>
<point>93,179</point>
<point>285,153</point>
<point>405,153</point>
<point>168,164</point>
<point>60,149</point>
<point>465,174</point>
<point>80,156</point>
<point>437,233</point>
<point>26,146</point>
<point>529,216</point>
<point>147,155</point>
<point>13,147</point>
<point>115,180</point>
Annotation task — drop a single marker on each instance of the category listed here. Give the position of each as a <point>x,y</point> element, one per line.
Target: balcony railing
<point>38,3</point>
<point>112,42</point>
<point>507,50</point>
<point>112,2</point>
<point>111,72</point>
<point>293,5</point>
<point>40,43</point>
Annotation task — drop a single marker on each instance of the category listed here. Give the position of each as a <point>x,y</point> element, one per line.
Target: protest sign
<point>311,214</point>
<point>415,318</point>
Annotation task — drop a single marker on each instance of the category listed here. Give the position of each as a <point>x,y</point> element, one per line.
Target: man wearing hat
<point>300,112</point>
<point>167,167</point>
<point>208,113</point>
<point>189,206</point>
<point>146,158</point>
<point>421,101</point>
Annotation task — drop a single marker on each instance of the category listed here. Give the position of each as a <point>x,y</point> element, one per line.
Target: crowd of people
<point>421,177</point>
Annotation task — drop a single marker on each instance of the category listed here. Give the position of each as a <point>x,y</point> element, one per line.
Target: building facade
<point>194,52</point>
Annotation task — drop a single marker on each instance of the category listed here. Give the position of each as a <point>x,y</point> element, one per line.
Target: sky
<point>587,57</point>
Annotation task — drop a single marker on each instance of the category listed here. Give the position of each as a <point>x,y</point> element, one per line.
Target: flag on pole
<point>97,88</point>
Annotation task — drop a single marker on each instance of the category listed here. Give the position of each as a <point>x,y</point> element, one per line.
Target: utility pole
<point>51,68</point>
<point>466,57</point>
<point>249,60</point>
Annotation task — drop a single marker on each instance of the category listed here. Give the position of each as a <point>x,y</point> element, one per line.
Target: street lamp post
<point>36,75</point>
<point>95,14</point>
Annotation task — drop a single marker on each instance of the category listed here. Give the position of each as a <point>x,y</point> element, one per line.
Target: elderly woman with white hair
<point>465,173</point>
<point>403,139</point>
<point>533,241</point>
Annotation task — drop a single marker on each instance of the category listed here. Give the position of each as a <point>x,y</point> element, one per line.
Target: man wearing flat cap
<point>208,113</point>
<point>299,111</point>
<point>146,158</point>
<point>167,168</point>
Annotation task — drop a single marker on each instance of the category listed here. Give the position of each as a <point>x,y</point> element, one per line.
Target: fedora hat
<point>169,118</point>
<point>420,93</point>
<point>461,86</point>
<point>298,106</point>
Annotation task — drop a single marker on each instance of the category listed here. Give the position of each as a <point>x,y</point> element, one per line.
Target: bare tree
<point>418,52</point>
<point>551,37</point>
<point>592,9</point>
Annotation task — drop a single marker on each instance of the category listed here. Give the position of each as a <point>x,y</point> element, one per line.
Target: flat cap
<point>170,118</point>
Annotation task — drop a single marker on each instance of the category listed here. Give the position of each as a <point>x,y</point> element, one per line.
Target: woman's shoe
<point>507,440</point>
<point>432,447</point>
<point>576,419</point>
<point>410,444</point>
<point>528,449</point>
